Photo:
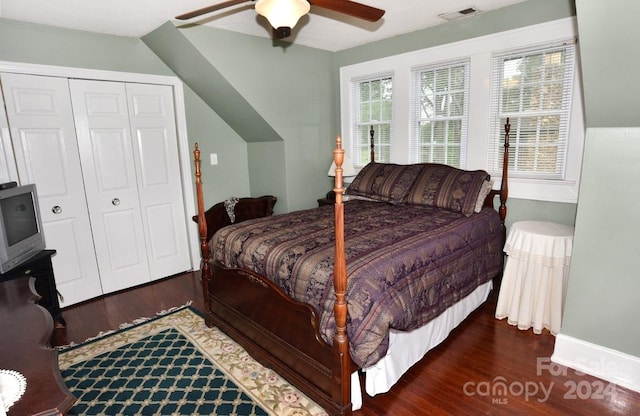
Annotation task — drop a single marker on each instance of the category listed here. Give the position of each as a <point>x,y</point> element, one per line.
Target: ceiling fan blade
<point>210,9</point>
<point>351,8</point>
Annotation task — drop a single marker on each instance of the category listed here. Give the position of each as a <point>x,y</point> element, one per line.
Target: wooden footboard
<point>278,332</point>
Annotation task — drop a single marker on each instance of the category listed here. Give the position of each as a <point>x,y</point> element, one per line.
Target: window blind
<point>439,119</point>
<point>373,109</point>
<point>533,88</point>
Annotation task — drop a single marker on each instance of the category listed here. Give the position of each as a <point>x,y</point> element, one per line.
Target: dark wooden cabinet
<point>40,267</point>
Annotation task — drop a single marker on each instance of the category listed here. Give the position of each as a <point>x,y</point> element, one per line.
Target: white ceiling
<point>320,29</point>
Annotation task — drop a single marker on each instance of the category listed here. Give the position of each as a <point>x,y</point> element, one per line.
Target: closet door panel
<point>152,120</point>
<point>43,154</point>
<point>102,122</point>
<point>8,171</point>
<point>122,254</point>
<point>46,153</point>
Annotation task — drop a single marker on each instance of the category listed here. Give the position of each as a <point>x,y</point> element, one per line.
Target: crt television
<point>21,234</point>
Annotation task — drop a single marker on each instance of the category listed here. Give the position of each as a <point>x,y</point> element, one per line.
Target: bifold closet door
<point>129,156</point>
<point>106,154</point>
<point>8,171</point>
<point>44,140</point>
<point>155,150</point>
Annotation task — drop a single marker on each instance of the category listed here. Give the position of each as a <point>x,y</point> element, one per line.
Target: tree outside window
<point>535,94</point>
<point>440,104</point>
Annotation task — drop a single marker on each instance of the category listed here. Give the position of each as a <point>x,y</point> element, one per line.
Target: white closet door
<point>44,141</point>
<point>155,149</point>
<point>104,140</point>
<point>8,172</point>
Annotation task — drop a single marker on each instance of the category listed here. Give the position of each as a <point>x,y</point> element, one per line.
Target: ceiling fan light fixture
<point>282,14</point>
<point>282,32</point>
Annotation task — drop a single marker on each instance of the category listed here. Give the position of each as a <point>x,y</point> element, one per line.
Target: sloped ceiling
<point>202,77</point>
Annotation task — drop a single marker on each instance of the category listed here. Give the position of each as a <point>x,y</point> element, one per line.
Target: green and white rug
<point>173,364</point>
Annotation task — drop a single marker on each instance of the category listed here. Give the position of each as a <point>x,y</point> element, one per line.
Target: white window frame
<point>500,114</point>
<point>417,117</point>
<point>356,147</point>
<point>479,51</point>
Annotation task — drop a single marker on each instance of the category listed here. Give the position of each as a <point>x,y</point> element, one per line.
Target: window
<point>439,120</point>
<point>533,89</point>
<point>448,104</point>
<point>373,100</point>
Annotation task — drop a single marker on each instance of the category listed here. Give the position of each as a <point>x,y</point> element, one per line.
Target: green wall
<point>266,162</point>
<point>294,89</point>
<point>602,299</point>
<point>519,15</point>
<point>230,177</point>
<point>39,44</point>
<point>610,62</point>
<point>525,209</point>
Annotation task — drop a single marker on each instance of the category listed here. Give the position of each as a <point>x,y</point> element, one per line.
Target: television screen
<point>19,217</point>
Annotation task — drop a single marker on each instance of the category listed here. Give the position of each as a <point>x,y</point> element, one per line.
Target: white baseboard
<point>602,362</point>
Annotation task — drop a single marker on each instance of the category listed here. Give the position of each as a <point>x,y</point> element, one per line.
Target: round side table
<point>534,282</point>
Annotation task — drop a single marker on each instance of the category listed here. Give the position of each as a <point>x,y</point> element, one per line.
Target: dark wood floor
<point>462,376</point>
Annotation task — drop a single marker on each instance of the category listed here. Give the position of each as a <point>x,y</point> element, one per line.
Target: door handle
<point>115,201</point>
<point>56,209</point>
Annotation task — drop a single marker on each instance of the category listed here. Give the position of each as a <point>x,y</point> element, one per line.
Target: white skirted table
<point>534,282</point>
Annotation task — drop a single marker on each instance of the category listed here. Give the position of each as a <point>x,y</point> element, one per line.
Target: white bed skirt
<point>407,348</point>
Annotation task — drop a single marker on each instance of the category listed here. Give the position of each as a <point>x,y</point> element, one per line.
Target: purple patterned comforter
<point>405,263</point>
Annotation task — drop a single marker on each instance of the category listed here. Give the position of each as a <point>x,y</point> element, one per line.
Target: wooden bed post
<point>504,185</point>
<point>205,267</point>
<point>372,153</point>
<point>342,369</point>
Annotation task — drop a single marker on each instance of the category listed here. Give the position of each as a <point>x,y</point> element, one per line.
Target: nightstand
<point>534,282</point>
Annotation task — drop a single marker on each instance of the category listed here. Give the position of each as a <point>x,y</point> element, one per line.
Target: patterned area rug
<point>174,364</point>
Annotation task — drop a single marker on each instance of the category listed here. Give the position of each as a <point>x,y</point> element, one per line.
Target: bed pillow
<point>447,187</point>
<point>387,182</point>
<point>487,186</point>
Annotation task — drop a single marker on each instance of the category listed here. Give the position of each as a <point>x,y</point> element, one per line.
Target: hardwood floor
<point>462,376</point>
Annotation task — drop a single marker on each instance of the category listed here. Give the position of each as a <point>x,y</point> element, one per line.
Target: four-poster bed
<point>426,248</point>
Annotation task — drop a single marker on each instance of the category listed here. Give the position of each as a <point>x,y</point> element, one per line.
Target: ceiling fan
<point>284,14</point>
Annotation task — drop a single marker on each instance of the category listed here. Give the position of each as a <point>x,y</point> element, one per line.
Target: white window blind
<point>533,88</point>
<point>373,101</point>
<point>440,97</point>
